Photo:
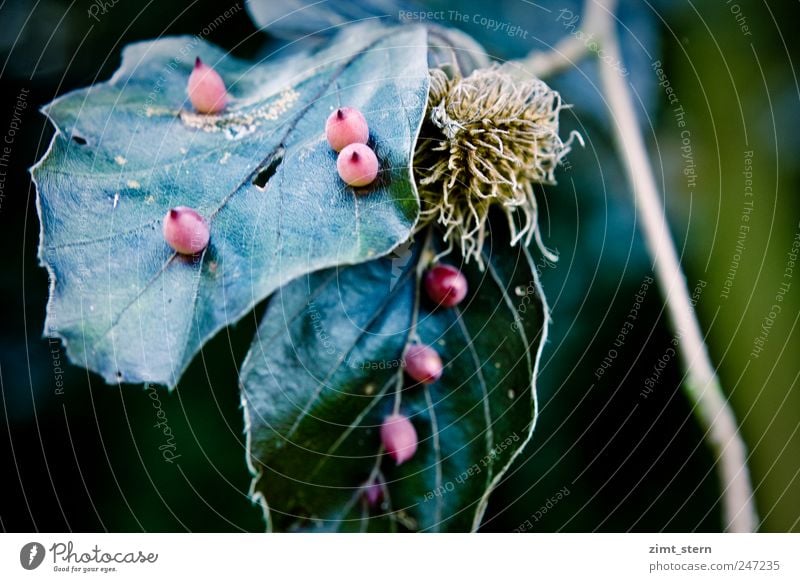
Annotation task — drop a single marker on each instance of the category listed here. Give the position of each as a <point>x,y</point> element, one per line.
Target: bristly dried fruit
<point>399,437</point>
<point>357,165</point>
<point>346,125</point>
<point>446,285</point>
<point>185,230</point>
<point>487,140</point>
<point>373,492</point>
<point>206,89</point>
<point>422,363</point>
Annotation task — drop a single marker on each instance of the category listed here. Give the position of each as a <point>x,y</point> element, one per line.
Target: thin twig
<point>566,53</point>
<point>702,385</point>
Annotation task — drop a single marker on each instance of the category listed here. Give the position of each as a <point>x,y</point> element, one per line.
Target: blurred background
<point>617,439</point>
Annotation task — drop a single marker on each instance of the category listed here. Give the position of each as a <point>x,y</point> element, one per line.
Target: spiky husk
<point>486,140</point>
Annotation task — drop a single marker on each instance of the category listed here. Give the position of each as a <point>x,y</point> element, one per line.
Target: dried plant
<point>487,139</point>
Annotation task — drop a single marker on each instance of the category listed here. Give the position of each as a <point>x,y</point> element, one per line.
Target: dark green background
<point>88,459</point>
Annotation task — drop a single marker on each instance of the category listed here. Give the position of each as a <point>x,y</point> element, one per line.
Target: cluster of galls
<point>188,233</point>
<point>185,230</point>
<point>446,286</point>
<point>347,132</point>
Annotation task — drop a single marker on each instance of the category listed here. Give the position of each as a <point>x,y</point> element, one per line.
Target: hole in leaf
<point>78,139</point>
<point>268,169</point>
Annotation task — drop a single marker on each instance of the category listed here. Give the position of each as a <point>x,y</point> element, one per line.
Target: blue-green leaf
<point>126,150</point>
<point>324,370</point>
<point>300,18</point>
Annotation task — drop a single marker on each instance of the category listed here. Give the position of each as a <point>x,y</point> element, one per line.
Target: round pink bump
<point>357,165</point>
<point>206,89</point>
<point>446,285</point>
<point>185,230</point>
<point>373,492</point>
<point>399,438</point>
<point>422,363</point>
<point>345,126</point>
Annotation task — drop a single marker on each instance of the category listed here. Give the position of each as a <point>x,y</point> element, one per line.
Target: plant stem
<point>701,383</point>
<point>566,53</point>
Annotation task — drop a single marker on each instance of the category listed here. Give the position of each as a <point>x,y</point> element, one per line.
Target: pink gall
<point>206,89</point>
<point>422,364</point>
<point>346,126</point>
<point>357,165</point>
<point>399,438</point>
<point>185,230</point>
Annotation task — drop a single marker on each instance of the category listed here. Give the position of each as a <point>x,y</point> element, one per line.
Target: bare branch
<point>701,383</point>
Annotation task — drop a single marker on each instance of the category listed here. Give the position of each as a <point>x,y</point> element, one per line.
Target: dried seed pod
<point>487,139</point>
